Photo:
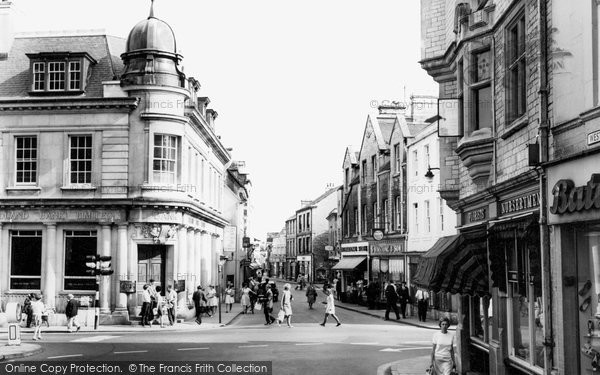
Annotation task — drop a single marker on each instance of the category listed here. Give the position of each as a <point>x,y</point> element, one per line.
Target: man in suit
<point>391,299</point>
<point>404,295</point>
<point>422,297</point>
<point>71,313</point>
<point>198,297</point>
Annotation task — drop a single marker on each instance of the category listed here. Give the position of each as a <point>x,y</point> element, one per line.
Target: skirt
<point>229,299</point>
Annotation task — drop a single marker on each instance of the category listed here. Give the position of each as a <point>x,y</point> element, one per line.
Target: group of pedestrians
<point>156,307</point>
<point>206,301</point>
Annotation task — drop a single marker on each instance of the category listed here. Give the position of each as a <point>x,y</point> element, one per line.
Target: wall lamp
<point>429,173</point>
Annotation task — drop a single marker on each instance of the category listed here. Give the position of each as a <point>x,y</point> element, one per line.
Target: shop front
<point>574,219</point>
<point>388,263</point>
<point>353,267</point>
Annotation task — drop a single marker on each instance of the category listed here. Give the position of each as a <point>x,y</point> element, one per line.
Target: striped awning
<point>455,264</point>
<point>348,263</point>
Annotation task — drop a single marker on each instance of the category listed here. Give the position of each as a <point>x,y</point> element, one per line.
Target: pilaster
<point>50,256</point>
<point>105,281</point>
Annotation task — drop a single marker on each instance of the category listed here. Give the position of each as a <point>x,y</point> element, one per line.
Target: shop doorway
<point>151,265</point>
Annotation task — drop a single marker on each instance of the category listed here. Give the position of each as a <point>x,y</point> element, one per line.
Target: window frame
<point>476,86</point>
<point>90,161</point>
<point>374,165</point>
<point>33,233</point>
<point>23,160</point>
<point>398,201</point>
<point>416,216</point>
<point>176,160</point>
<point>515,62</point>
<point>78,234</point>
<point>397,158</point>
<point>69,79</point>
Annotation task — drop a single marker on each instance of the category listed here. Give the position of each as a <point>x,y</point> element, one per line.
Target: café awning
<point>455,264</point>
<point>349,263</point>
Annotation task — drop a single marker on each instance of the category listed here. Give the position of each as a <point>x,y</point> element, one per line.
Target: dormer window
<point>57,73</point>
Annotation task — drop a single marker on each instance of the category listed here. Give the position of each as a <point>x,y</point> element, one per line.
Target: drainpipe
<point>544,156</point>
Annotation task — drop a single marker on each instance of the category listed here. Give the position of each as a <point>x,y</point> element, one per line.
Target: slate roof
<point>15,75</point>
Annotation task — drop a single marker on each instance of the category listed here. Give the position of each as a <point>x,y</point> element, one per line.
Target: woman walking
<point>268,305</point>
<point>330,309</point>
<point>229,300</point>
<point>442,354</point>
<point>213,300</point>
<point>245,300</point>
<point>286,304</point>
<point>37,310</point>
<point>311,295</point>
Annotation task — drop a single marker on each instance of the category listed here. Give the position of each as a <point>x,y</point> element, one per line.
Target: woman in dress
<point>229,300</point>
<point>161,307</point>
<point>245,300</point>
<point>286,304</point>
<point>37,309</point>
<point>213,300</point>
<point>330,309</point>
<point>442,354</point>
<point>311,295</point>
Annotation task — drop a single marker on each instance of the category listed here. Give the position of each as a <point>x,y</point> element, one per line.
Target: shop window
<point>26,259</point>
<point>481,318</point>
<point>78,245</point>
<point>525,301</point>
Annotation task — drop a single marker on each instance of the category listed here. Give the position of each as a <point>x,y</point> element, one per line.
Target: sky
<point>292,81</point>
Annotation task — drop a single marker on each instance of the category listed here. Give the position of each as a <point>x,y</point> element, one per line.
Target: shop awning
<point>455,264</point>
<point>349,263</point>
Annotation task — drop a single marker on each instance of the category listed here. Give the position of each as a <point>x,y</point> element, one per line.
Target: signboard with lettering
<point>476,215</point>
<point>593,138</point>
<point>387,248</point>
<point>62,214</point>
<point>521,203</point>
<point>127,286</point>
<point>567,198</point>
<point>230,238</point>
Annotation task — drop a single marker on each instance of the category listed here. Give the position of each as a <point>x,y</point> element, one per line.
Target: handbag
<point>258,306</point>
<point>155,311</point>
<point>280,315</point>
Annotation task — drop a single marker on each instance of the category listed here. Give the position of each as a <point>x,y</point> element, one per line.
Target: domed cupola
<point>151,57</point>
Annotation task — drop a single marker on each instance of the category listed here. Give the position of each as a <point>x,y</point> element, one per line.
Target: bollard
<point>13,317</point>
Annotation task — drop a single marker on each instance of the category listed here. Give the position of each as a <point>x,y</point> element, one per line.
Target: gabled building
<point>291,250</point>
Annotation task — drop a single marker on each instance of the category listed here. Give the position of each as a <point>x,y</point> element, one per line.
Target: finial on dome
<point>151,9</point>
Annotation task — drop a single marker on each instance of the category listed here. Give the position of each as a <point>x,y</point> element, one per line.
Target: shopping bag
<point>280,315</point>
<point>258,306</point>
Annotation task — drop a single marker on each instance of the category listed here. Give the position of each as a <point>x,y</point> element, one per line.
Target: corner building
<point>105,155</point>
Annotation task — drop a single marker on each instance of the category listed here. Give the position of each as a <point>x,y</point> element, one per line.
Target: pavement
<point>26,349</point>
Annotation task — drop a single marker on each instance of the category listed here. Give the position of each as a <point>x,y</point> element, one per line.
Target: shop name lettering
<point>375,249</point>
<point>476,215</point>
<point>22,215</point>
<point>568,198</point>
<point>520,204</point>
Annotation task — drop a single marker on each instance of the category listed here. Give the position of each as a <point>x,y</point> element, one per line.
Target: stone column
<point>122,267</point>
<point>105,281</point>
<point>50,255</point>
<point>201,258</point>
<point>181,271</point>
<point>216,252</point>
<point>132,264</point>
<point>205,251</point>
<point>193,281</point>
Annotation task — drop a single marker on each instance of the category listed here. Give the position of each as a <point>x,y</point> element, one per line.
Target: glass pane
<point>29,248</point>
<point>76,249</point>
<point>484,107</point>
<point>483,66</point>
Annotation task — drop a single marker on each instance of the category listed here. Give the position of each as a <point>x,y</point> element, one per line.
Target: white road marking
<point>94,338</point>
<point>311,343</point>
<point>132,351</point>
<point>364,343</point>
<point>252,346</point>
<point>193,349</point>
<point>403,349</point>
<point>66,356</point>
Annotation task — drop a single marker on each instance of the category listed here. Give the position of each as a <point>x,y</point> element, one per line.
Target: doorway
<point>151,265</point>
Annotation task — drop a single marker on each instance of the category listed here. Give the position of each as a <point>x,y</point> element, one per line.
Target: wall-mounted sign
<point>568,198</point>
<point>387,248</point>
<point>522,203</point>
<point>127,286</point>
<point>62,214</point>
<point>593,137</point>
<point>179,286</point>
<point>473,216</point>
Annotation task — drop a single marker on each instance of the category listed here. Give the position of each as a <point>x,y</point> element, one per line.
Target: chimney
<point>6,27</point>
<point>391,110</point>
<point>304,203</point>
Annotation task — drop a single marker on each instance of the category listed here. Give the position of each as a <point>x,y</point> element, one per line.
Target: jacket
<point>390,294</point>
<point>72,308</point>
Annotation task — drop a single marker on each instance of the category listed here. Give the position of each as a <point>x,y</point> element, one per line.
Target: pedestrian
<point>171,304</point>
<point>404,298</point>
<point>303,281</point>
<point>338,289</point>
<point>422,297</point>
<point>153,302</point>
<point>254,285</point>
<point>275,291</point>
<point>198,297</point>
<point>161,307</point>
<point>442,353</point>
<point>286,304</point>
<point>371,295</point>
<point>245,301</point>
<point>212,300</point>
<point>229,297</point>
<point>146,305</point>
<point>311,295</point>
<point>37,310</point>
<point>330,308</point>
<point>391,298</point>
<point>268,305</point>
<point>71,313</point>
<point>27,308</point>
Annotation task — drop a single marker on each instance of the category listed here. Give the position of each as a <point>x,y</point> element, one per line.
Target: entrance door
<point>151,265</point>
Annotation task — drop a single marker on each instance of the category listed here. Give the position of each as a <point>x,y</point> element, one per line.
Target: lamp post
<point>429,174</point>
<point>222,260</point>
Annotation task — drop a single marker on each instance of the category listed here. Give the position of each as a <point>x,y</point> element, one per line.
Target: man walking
<point>71,313</point>
<point>146,305</point>
<point>171,303</point>
<point>422,297</point>
<point>391,298</point>
<point>198,297</point>
<point>404,295</point>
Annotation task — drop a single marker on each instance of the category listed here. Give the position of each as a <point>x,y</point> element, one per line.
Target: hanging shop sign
<point>521,203</point>
<point>567,198</point>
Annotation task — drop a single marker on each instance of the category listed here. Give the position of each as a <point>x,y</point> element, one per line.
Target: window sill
<point>24,188</point>
<point>515,126</point>
<point>78,188</point>
<point>57,93</point>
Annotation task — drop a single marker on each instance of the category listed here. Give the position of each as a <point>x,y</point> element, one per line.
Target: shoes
<point>339,324</point>
<point>78,328</point>
<point>35,339</point>
<point>322,324</point>
<point>290,326</point>
<point>386,318</point>
<point>267,324</point>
